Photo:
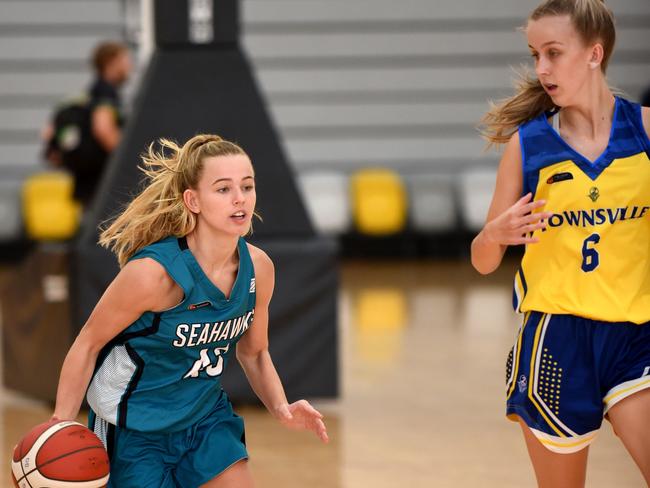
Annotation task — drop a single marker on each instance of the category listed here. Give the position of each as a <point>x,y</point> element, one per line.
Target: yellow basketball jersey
<point>593,258</point>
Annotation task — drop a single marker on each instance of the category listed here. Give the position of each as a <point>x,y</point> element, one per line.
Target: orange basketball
<point>58,454</point>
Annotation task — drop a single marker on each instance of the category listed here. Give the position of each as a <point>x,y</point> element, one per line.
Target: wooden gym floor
<point>423,349</point>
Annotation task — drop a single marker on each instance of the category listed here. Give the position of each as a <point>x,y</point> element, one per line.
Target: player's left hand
<point>301,415</point>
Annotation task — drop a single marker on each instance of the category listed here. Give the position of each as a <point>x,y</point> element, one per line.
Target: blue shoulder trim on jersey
<point>537,150</point>
<point>635,116</point>
<point>628,135</point>
<point>525,188</point>
<point>541,146</point>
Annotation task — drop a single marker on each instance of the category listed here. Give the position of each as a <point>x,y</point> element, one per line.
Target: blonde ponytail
<point>159,211</point>
<point>503,119</point>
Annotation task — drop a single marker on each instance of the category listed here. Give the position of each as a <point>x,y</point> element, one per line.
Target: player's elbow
<point>87,343</point>
<point>481,262</point>
<point>105,130</point>
<point>107,137</point>
<point>482,267</point>
<point>247,355</point>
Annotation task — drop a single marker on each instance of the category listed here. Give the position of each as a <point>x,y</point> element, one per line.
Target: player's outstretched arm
<point>511,217</point>
<point>140,286</point>
<point>253,355</point>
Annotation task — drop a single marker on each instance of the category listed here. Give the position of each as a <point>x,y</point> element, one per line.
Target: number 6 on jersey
<point>590,257</point>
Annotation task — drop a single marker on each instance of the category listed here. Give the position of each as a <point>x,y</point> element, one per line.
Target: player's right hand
<point>301,415</point>
<point>516,225</point>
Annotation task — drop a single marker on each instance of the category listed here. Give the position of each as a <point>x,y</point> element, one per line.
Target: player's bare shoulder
<point>513,146</point>
<point>510,167</point>
<point>261,262</point>
<point>147,272</point>
<point>147,277</point>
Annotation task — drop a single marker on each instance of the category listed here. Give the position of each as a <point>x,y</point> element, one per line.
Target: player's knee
<point>238,475</point>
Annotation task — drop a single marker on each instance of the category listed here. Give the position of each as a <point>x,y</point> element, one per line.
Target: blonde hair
<point>159,210</point>
<point>594,22</point>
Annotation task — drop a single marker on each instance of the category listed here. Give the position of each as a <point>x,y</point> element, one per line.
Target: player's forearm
<point>486,254</point>
<point>264,379</point>
<point>109,139</point>
<point>104,127</point>
<point>75,375</point>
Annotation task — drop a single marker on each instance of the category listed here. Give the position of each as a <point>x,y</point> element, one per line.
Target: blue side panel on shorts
<point>566,371</point>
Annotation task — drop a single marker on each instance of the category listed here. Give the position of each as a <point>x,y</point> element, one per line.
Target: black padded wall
<point>209,88</point>
<point>190,91</point>
<point>173,19</point>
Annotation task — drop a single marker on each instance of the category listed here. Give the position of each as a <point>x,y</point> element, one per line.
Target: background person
<point>83,133</point>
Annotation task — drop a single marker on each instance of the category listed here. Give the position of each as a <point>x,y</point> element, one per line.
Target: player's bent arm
<point>253,347</point>
<point>253,355</point>
<point>512,219</point>
<point>140,286</point>
<point>486,252</point>
<point>104,128</point>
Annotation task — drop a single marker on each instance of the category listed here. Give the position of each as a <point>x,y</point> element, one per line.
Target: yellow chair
<point>379,202</point>
<point>49,210</point>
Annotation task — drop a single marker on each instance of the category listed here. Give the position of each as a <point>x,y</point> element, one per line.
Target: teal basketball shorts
<point>184,459</point>
<point>564,373</point>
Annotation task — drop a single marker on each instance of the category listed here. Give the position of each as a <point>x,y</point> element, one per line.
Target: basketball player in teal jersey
<point>574,187</point>
<point>190,292</point>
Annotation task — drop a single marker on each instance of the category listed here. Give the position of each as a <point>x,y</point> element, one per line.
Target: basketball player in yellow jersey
<point>574,187</point>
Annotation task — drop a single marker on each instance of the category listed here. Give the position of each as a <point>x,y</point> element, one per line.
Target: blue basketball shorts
<point>183,459</point>
<point>564,373</point>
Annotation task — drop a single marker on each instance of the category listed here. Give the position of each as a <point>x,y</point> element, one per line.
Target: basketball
<point>59,454</point>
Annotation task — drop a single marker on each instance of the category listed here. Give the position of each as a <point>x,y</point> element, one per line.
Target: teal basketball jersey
<point>162,373</point>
